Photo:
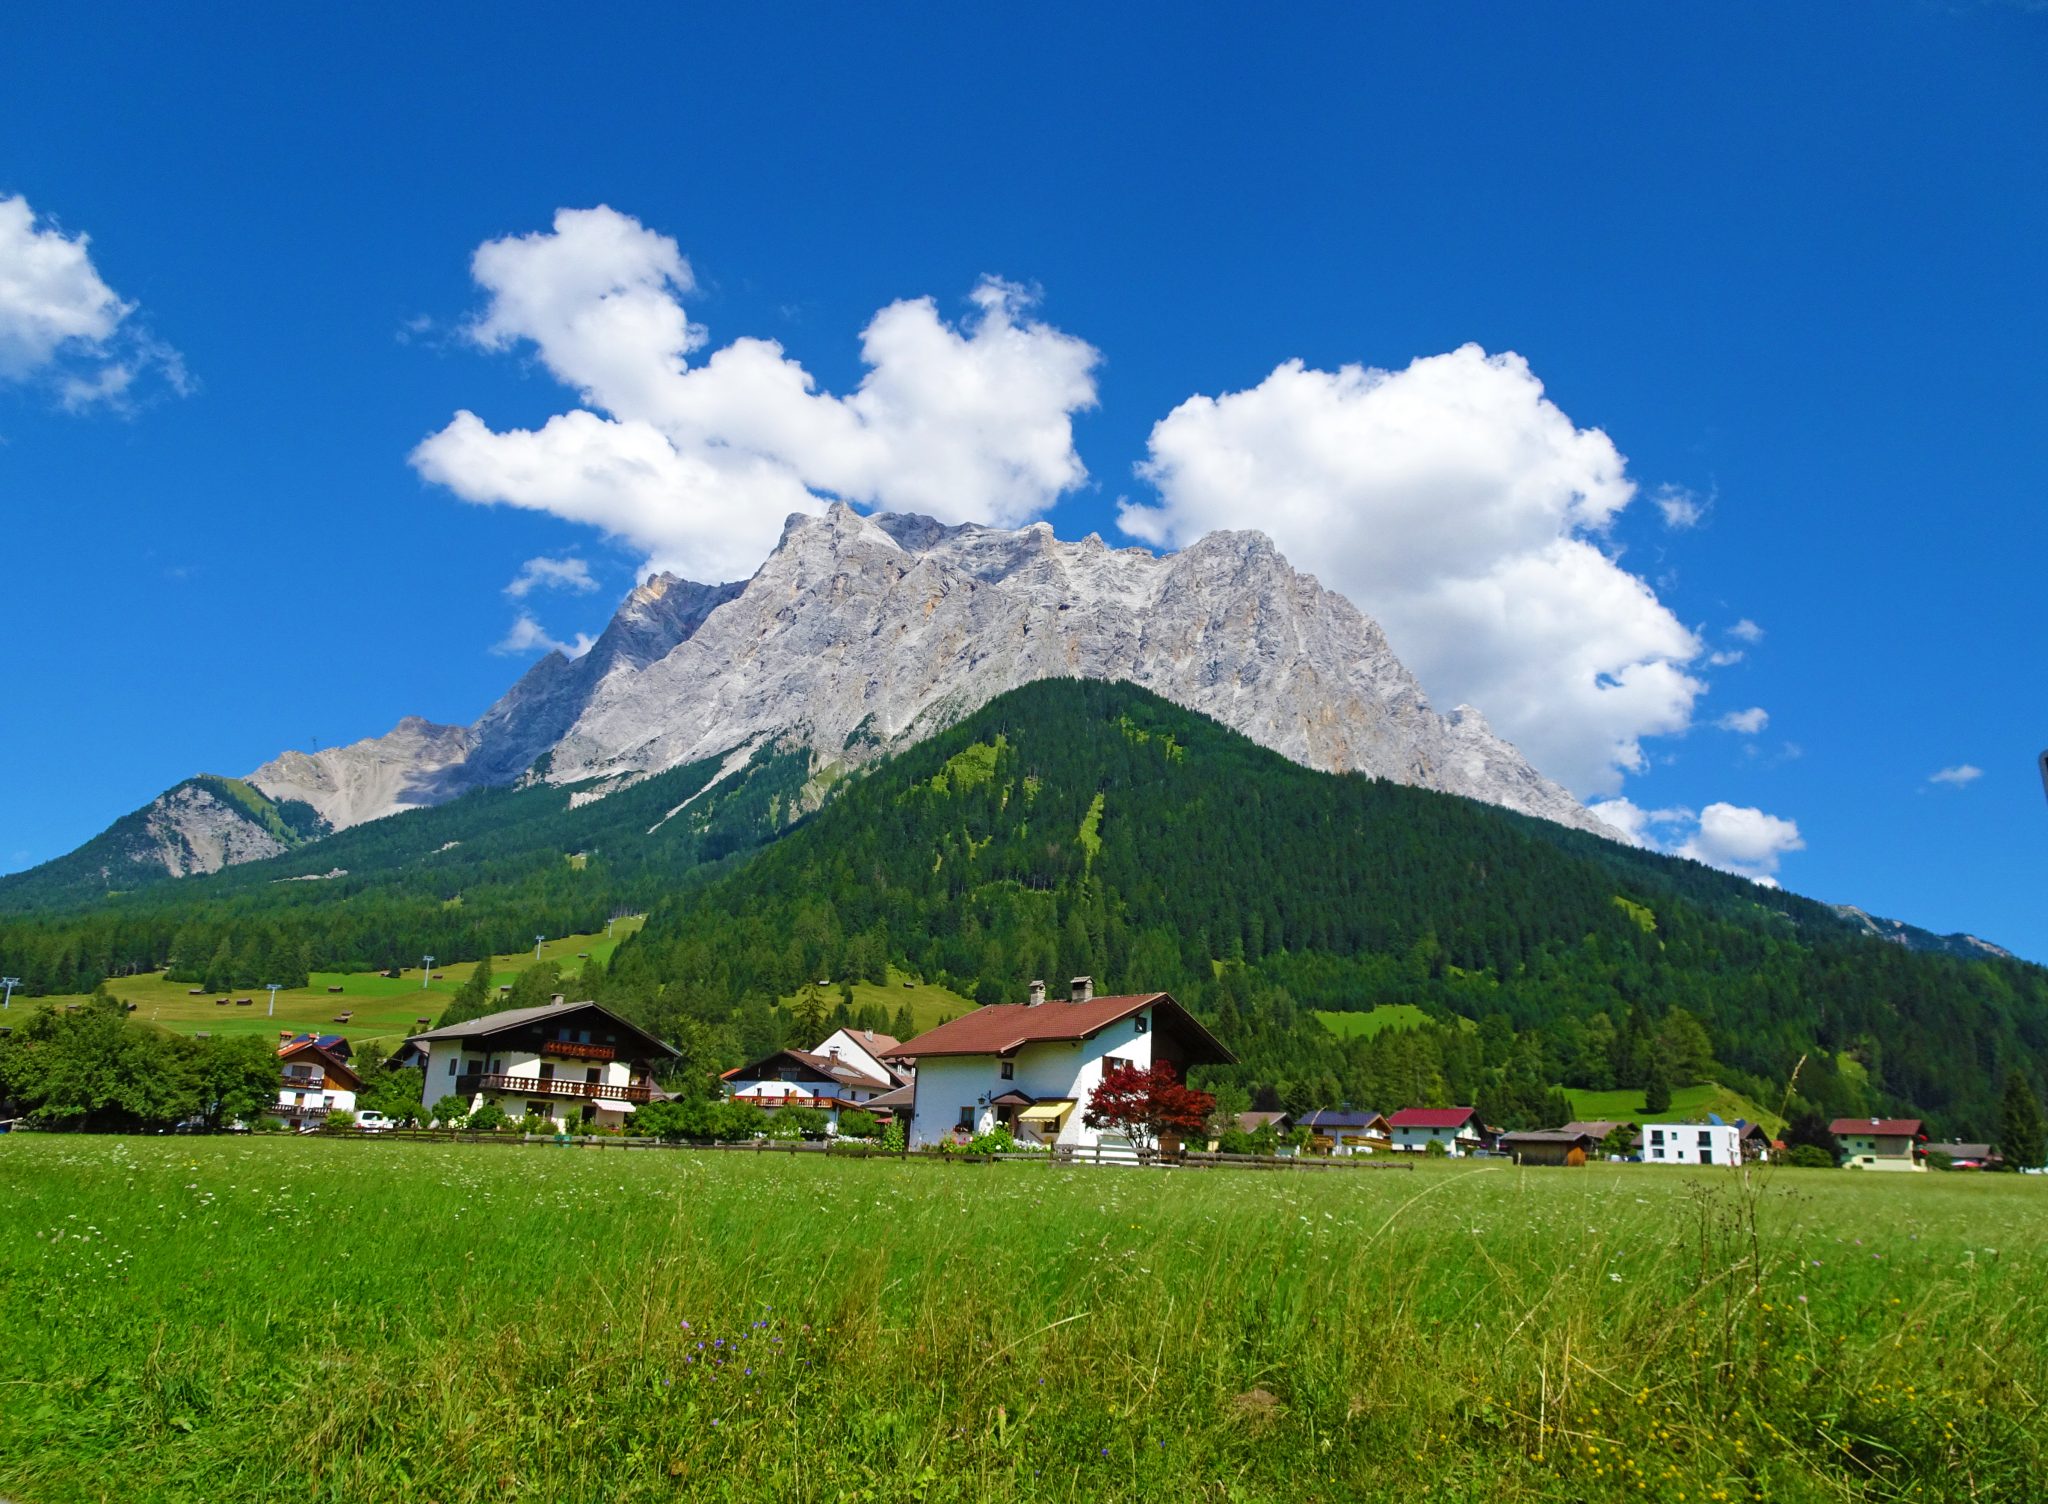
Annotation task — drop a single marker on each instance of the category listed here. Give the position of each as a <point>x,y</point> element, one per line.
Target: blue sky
<point>1786,259</point>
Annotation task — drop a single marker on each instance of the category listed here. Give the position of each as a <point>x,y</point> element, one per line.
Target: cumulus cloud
<point>60,320</point>
<point>697,465</point>
<point>1745,722</point>
<point>1961,776</point>
<point>551,574</point>
<point>1460,507</point>
<point>1747,630</point>
<point>1734,838</point>
<point>1723,657</point>
<point>528,635</point>
<point>1681,509</point>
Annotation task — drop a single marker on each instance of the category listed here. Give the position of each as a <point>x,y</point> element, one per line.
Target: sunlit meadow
<point>253,1319</point>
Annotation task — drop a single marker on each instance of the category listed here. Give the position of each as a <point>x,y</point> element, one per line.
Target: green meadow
<point>209,1319</point>
<point>383,1010</point>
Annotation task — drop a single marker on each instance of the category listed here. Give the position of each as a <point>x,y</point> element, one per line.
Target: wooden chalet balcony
<point>552,1086</point>
<point>574,1051</point>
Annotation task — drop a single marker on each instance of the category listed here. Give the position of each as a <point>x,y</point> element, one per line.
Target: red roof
<point>1004,1028</point>
<point>1430,1117</point>
<point>1876,1127</point>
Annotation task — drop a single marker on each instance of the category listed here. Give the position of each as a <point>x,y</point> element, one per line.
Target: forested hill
<point>1078,827</point>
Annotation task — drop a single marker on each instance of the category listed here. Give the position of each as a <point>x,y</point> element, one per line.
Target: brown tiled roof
<point>1876,1127</point>
<point>1003,1028</point>
<point>902,1096</point>
<point>1431,1117</point>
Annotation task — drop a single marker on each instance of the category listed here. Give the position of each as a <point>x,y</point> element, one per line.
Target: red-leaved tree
<point>1143,1104</point>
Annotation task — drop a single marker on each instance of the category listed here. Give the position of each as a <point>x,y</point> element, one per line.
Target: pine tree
<point>1657,1086</point>
<point>2023,1133</point>
<point>904,1026</point>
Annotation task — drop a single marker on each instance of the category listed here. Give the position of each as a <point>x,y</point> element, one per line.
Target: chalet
<point>1030,1066</point>
<point>1879,1143</point>
<point>1414,1129</point>
<point>1597,1129</point>
<point>802,1078</point>
<point>1554,1146</point>
<point>1282,1123</point>
<point>576,1063</point>
<point>1711,1143</point>
<point>1343,1132</point>
<point>868,1051</point>
<point>1754,1142</point>
<point>1962,1156</point>
<point>315,1078</point>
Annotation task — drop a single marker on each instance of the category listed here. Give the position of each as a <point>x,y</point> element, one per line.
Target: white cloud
<point>697,467</point>
<point>528,635</point>
<point>551,574</point>
<point>1737,839</point>
<point>59,318</point>
<point>1457,505</point>
<point>1962,775</point>
<point>1747,630</point>
<point>1725,657</point>
<point>1745,722</point>
<point>1742,840</point>
<point>1681,508</point>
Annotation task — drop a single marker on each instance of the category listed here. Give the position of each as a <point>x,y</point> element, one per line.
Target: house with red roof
<point>1879,1143</point>
<point>1030,1066</point>
<point>1414,1129</point>
<point>316,1077</point>
<point>804,1078</point>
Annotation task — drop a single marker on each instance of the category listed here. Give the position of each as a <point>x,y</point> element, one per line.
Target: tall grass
<point>214,1319</point>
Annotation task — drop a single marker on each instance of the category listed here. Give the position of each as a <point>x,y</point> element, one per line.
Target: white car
<point>373,1120</point>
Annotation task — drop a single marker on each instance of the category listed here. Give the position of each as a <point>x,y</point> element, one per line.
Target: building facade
<point>1031,1066</point>
<point>1414,1129</point>
<point>577,1064</point>
<point>1692,1144</point>
<point>1879,1143</point>
<point>315,1078</point>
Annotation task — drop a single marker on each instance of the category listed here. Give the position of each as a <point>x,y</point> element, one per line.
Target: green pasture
<point>1687,1103</point>
<point>929,1002</point>
<point>1373,1020</point>
<point>383,1009</point>
<point>259,1320</point>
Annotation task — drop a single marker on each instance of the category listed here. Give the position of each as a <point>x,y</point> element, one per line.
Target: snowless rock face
<point>411,765</point>
<point>192,829</point>
<point>862,634</point>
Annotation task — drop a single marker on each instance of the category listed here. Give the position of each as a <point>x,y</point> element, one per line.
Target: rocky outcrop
<point>192,828</point>
<point>415,763</point>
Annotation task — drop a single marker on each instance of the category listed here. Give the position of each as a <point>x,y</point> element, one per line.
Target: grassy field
<point>257,1320</point>
<point>1687,1102</point>
<point>1372,1021</point>
<point>929,1002</point>
<point>385,1009</point>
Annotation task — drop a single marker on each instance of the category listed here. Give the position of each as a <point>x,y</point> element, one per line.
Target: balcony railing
<point>552,1086</point>
<point>574,1051</point>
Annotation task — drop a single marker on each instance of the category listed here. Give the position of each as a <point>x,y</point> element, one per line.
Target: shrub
<point>798,1122</point>
<point>1235,1141</point>
<point>857,1124</point>
<point>488,1118</point>
<point>338,1119</point>
<point>1809,1157</point>
<point>893,1138</point>
<point>533,1122</point>
<point>1434,1149</point>
<point>451,1112</point>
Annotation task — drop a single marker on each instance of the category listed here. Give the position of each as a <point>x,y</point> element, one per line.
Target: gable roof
<point>304,1050</point>
<point>1597,1128</point>
<point>1431,1117</point>
<point>842,1072</point>
<point>1876,1127</point>
<point>334,1044</point>
<point>1547,1136</point>
<point>1004,1028</point>
<point>551,1013</point>
<point>1329,1117</point>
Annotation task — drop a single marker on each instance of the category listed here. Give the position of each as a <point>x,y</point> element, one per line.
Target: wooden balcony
<point>571,1050</point>
<point>552,1086</point>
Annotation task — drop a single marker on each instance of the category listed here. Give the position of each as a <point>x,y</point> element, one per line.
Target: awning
<point>1046,1112</point>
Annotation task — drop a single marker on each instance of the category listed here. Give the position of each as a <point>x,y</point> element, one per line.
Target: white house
<point>576,1063</point>
<point>1414,1129</point>
<point>1692,1144</point>
<point>1879,1143</point>
<point>1031,1066</point>
<point>868,1052</point>
<point>315,1078</point>
<point>802,1078</point>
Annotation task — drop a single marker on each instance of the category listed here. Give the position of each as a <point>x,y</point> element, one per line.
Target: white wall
<point>947,1083</point>
<point>852,1052</point>
<point>1680,1144</point>
<point>1457,1142</point>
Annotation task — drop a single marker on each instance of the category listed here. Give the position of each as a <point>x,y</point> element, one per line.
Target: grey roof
<point>902,1096</point>
<point>1547,1136</point>
<point>514,1018</point>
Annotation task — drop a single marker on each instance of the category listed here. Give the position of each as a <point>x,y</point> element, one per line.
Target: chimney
<point>1081,989</point>
<point>1037,993</point>
<point>284,1034</point>
<point>557,1000</point>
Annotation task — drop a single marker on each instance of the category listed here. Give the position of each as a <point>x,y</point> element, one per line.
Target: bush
<point>451,1112</point>
<point>338,1119</point>
<point>893,1138</point>
<point>1434,1149</point>
<point>1235,1141</point>
<point>534,1123</point>
<point>857,1124</point>
<point>1809,1157</point>
<point>798,1122</point>
<point>488,1118</point>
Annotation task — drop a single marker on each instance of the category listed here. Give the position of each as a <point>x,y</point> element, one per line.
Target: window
<point>1706,1139</point>
<point>451,1067</point>
<point>1009,1070</point>
<point>967,1118</point>
<point>1113,1063</point>
<point>1657,1152</point>
<point>590,1076</point>
<point>1656,1135</point>
<point>1139,1025</point>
